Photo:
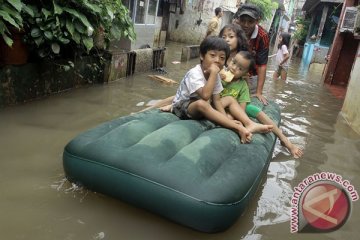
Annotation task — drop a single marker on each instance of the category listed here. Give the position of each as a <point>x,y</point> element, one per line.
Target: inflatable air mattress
<point>192,172</point>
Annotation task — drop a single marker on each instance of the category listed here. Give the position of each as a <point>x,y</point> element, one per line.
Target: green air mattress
<point>192,172</point>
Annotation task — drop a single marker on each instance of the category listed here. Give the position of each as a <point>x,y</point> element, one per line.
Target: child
<point>237,41</point>
<point>239,66</point>
<point>282,56</point>
<point>235,38</point>
<point>198,95</point>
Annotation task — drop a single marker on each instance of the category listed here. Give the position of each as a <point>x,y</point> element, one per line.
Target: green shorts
<point>252,111</point>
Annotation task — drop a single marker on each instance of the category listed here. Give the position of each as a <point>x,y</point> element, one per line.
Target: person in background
<point>248,16</point>
<point>282,56</point>
<point>215,23</point>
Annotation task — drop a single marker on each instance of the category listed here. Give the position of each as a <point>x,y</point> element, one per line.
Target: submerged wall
<point>351,107</point>
<point>35,80</point>
<point>23,83</point>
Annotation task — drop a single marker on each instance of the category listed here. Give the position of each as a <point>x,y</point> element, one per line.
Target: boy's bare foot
<point>254,127</point>
<point>166,108</point>
<point>294,150</point>
<point>245,136</point>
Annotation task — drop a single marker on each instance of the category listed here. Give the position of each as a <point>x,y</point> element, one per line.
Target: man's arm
<point>261,61</point>
<point>260,84</point>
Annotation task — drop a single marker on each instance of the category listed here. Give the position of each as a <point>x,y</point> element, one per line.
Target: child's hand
<point>213,69</point>
<point>226,76</point>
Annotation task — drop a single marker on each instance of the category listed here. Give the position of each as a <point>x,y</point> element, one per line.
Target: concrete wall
<point>351,107</point>
<point>191,26</point>
<point>148,34</point>
<point>314,53</point>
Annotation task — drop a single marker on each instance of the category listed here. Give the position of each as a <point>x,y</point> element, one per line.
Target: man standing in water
<point>215,23</point>
<point>248,16</point>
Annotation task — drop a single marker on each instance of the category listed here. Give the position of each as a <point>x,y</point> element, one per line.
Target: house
<point>324,20</point>
<point>282,21</point>
<point>156,21</point>
<point>343,67</point>
<point>189,24</point>
<point>147,52</point>
<point>333,38</point>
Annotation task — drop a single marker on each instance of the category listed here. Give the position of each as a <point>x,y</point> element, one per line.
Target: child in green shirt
<point>237,87</point>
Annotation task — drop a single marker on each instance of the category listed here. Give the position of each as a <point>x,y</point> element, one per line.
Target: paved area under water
<point>36,201</point>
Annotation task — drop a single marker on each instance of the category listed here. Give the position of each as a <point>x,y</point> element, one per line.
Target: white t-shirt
<point>280,55</point>
<point>193,80</point>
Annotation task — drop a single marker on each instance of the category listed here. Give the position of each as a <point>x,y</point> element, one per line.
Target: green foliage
<point>115,20</point>
<point>302,28</point>
<point>10,17</point>
<point>71,24</point>
<point>266,6</point>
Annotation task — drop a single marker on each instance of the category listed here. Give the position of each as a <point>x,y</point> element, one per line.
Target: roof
<point>311,4</point>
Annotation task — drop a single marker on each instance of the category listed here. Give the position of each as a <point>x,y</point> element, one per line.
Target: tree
<point>266,6</point>
<point>302,28</point>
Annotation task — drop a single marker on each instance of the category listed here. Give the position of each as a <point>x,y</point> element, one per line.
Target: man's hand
<point>261,98</point>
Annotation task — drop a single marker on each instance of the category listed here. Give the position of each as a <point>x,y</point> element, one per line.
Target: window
<point>151,14</point>
<point>145,11</point>
<point>129,4</point>
<point>140,12</point>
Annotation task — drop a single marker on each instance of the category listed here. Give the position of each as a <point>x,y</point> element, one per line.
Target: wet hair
<point>242,41</point>
<point>248,56</point>
<point>248,7</point>
<point>285,39</point>
<point>217,10</point>
<point>214,43</point>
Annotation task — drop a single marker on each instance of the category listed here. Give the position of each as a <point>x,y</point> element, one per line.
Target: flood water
<point>36,201</point>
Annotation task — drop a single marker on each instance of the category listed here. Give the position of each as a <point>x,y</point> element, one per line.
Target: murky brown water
<point>36,202</point>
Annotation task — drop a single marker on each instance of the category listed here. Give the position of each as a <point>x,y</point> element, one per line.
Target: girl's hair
<point>242,42</point>
<point>285,40</point>
<point>248,56</point>
<point>214,43</point>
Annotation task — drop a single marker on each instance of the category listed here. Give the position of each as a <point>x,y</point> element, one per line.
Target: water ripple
<point>274,204</point>
<point>63,185</point>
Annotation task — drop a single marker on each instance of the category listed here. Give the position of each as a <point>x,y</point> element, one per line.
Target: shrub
<point>71,24</point>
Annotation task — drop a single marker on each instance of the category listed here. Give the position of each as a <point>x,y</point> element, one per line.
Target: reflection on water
<point>38,203</point>
<point>309,113</point>
<point>274,203</point>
